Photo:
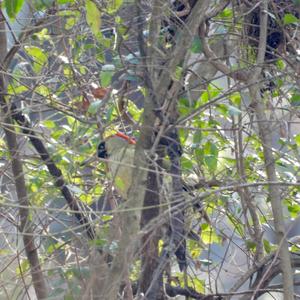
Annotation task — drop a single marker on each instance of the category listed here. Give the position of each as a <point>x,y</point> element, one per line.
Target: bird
<point>118,153</point>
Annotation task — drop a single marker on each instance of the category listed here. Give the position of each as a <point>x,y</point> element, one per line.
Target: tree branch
<point>36,142</point>
<point>26,228</point>
<point>266,135</point>
<point>53,169</point>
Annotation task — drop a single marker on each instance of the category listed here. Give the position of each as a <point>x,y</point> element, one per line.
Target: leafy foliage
<point>70,78</point>
<point>13,7</point>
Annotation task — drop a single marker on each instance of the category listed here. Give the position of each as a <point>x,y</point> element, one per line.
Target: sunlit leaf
<point>209,236</point>
<point>15,90</point>
<point>49,124</point>
<point>235,98</point>
<point>38,55</point>
<point>23,267</point>
<point>65,1</point>
<point>93,16</point>
<point>297,139</point>
<point>113,5</point>
<point>290,19</point>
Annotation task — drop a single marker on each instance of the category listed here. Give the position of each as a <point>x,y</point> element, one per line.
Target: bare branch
<point>38,279</point>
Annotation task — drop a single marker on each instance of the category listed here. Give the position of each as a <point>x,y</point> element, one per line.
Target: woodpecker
<point>118,152</point>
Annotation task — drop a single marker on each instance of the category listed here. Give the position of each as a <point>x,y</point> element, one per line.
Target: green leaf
<point>40,5</point>
<point>211,148</point>
<point>209,236</point>
<point>49,124</point>
<point>197,138</point>
<point>250,245</point>
<point>13,7</point>
<point>110,113</point>
<point>290,19</point>
<point>71,120</point>
<point>178,74</point>
<point>23,267</point>
<point>194,249</point>
<point>199,154</point>
<point>105,42</point>
<point>105,78</point>
<point>119,183</point>
<point>295,99</point>
<point>196,45</point>
<point>297,139</point>
<point>106,75</point>
<point>38,55</point>
<point>106,218</point>
<point>57,134</point>
<point>267,246</point>
<point>211,162</point>
<point>44,91</point>
<point>226,13</point>
<point>211,153</point>
<point>235,98</point>
<point>222,109</point>
<point>113,6</point>
<point>280,64</point>
<point>16,89</point>
<point>93,108</point>
<point>71,18</point>
<point>93,17</point>
<point>134,111</point>
<point>209,94</point>
<point>186,164</point>
<point>198,284</point>
<point>65,1</point>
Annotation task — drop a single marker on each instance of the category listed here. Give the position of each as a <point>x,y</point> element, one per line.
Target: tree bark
<point>149,247</point>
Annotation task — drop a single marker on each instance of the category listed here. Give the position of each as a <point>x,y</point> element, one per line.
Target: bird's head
<point>114,142</point>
